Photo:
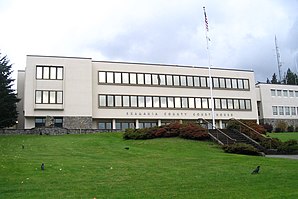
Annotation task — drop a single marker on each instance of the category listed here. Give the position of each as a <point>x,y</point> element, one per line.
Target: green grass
<point>97,165</point>
<point>284,136</point>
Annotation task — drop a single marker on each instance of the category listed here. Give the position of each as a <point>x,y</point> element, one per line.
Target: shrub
<point>291,128</point>
<point>136,134</point>
<point>289,147</point>
<point>271,143</point>
<point>193,131</point>
<point>241,148</point>
<point>268,127</point>
<point>281,126</point>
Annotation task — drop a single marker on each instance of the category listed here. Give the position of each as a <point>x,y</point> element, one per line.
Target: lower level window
<point>105,124</point>
<point>147,124</point>
<point>41,121</point>
<point>125,124</point>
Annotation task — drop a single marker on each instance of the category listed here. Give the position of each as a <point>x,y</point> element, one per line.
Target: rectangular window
<point>273,93</point>
<point>141,101</point>
<point>133,78</point>
<point>203,81</point>
<point>163,102</point>
<point>110,77</point>
<point>291,93</point>
<point>60,73</point>
<point>125,78</point>
<point>274,110</point>
<point>45,97</point>
<point>184,102</point>
<point>110,100</point>
<point>125,101</point>
<point>155,80</point>
<point>196,81</point>
<point>38,97</point>
<point>217,104</point>
<point>46,73</point>
<point>281,110</point>
<point>285,93</point>
<point>39,72</point>
<point>189,81</point>
<point>246,84</point>
<point>133,101</point>
<point>169,80</point>
<point>40,121</point>
<point>149,102</point>
<point>242,104</point>
<point>183,80</point>
<point>176,80</point>
<point>59,97</point>
<point>53,74</point>
<point>191,102</point>
<point>148,79</point>
<point>296,93</point>
<point>170,102</point>
<point>198,103</point>
<point>156,102</point>
<point>228,83</point>
<point>247,104</point>
<point>162,79</point>
<point>52,97</point>
<point>118,101</point>
<point>215,82</point>
<point>230,104</point>
<point>222,83</point>
<point>118,78</point>
<point>236,104</point>
<point>102,100</point>
<point>205,103</point>
<point>278,92</point>
<point>234,83</point>
<point>240,84</point>
<point>293,111</point>
<point>177,102</point>
<point>224,104</point>
<point>102,77</point>
<point>287,110</point>
<point>140,78</point>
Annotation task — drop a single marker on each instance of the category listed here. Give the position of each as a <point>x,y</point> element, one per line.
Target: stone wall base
<point>274,122</point>
<point>77,122</point>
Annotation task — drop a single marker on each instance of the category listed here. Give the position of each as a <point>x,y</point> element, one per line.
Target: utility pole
<point>279,64</point>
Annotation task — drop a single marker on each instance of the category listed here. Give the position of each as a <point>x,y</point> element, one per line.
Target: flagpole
<point>209,69</point>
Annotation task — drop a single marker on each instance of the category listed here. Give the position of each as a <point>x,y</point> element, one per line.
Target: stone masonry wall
<point>77,122</point>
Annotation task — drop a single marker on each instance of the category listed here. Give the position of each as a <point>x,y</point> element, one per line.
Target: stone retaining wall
<point>50,131</point>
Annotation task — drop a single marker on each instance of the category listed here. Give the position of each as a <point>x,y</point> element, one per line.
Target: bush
<point>271,143</point>
<point>268,127</point>
<point>291,128</point>
<point>175,129</point>
<point>289,147</point>
<point>281,126</point>
<point>241,148</point>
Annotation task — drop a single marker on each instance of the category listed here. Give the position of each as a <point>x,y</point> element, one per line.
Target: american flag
<point>206,20</point>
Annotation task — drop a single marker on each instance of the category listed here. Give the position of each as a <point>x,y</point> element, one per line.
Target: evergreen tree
<point>274,79</point>
<point>8,98</point>
<point>290,78</point>
<point>268,81</point>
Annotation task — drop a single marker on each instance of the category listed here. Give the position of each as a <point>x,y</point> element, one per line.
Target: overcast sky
<point>154,31</point>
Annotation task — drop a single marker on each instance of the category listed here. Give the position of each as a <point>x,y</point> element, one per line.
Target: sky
<point>241,32</point>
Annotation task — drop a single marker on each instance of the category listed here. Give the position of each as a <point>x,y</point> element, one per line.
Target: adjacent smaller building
<point>277,102</point>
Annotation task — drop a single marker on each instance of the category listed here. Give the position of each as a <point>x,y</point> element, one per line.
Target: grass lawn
<point>284,136</point>
<point>98,166</point>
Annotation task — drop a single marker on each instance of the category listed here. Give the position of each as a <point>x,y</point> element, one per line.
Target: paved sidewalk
<point>283,156</point>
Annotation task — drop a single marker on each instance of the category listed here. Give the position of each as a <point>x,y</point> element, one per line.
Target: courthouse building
<point>80,93</point>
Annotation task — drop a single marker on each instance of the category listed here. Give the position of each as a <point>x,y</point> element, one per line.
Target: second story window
<point>49,72</point>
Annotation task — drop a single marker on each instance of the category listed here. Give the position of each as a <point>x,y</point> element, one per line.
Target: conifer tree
<point>8,97</point>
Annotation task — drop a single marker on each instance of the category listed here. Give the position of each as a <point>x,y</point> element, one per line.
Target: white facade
<point>278,102</point>
<point>82,93</point>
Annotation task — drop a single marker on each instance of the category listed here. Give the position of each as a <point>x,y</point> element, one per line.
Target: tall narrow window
<point>133,101</point>
<point>148,101</point>
<point>38,97</point>
<point>162,79</point>
<point>169,80</point>
<point>59,97</point>
<point>133,78</point>
<point>102,77</point>
<point>215,82</point>
<point>46,73</point>
<point>141,101</point>
<point>45,97</point>
<point>163,102</point>
<point>191,102</point>
<point>155,79</point>
<point>246,84</point>
<point>205,103</point>
<point>156,102</point>
<point>176,80</point>
<point>203,81</point>
<point>148,79</point>
<point>110,77</point>
<point>118,101</point>
<point>59,72</point>
<point>198,103</point>
<point>228,83</point>
<point>53,73</point>
<point>177,102</point>
<point>183,80</point>
<point>110,100</point>
<point>118,78</point>
<point>274,110</point>
<point>52,97</point>
<point>125,101</point>
<point>170,102</point>
<point>39,72</point>
<point>125,78</point>
<point>196,81</point>
<point>140,78</point>
<point>189,81</point>
<point>184,102</point>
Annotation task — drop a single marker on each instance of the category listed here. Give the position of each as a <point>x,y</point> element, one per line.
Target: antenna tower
<point>279,64</point>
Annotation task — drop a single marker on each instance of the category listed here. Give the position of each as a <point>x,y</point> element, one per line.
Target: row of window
<point>171,80</point>
<point>284,93</point>
<point>41,121</point>
<point>124,124</point>
<point>284,110</point>
<point>171,102</point>
<point>48,97</point>
<point>49,72</point>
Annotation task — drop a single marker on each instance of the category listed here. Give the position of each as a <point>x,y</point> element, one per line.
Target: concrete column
<point>158,122</point>
<point>220,124</point>
<point>137,123</point>
<point>113,124</point>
